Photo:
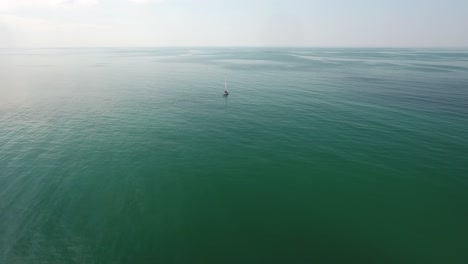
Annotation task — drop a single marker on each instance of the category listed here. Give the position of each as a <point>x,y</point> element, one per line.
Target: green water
<point>316,156</point>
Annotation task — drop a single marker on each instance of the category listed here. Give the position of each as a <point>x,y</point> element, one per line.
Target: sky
<point>167,23</point>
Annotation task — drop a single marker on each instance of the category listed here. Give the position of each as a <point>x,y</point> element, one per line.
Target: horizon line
<point>242,46</point>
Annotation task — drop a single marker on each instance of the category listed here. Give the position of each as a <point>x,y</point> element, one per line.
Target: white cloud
<point>26,32</point>
<point>15,4</point>
<point>146,1</point>
<point>35,32</point>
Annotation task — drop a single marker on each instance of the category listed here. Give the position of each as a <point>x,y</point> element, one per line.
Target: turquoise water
<point>316,156</point>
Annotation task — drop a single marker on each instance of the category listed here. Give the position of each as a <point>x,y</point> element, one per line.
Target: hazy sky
<point>95,23</point>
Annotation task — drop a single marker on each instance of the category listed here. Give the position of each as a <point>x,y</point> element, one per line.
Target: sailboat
<point>226,92</point>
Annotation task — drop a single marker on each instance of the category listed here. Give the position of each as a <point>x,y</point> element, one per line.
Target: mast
<point>225,83</point>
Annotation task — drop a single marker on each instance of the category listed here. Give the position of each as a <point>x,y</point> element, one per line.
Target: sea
<point>318,155</point>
